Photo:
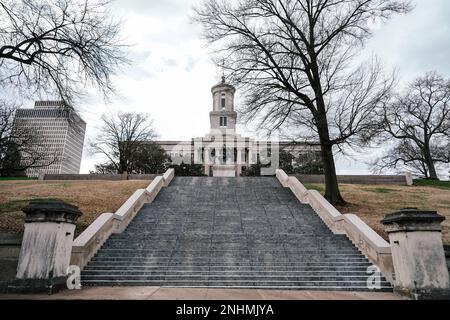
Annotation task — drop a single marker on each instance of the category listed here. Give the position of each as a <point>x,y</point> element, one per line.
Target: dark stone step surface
<point>244,232</point>
<point>206,268</point>
<point>321,286</point>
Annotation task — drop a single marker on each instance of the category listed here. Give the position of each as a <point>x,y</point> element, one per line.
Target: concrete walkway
<point>164,293</point>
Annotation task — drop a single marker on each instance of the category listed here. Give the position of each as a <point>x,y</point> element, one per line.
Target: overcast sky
<point>172,74</point>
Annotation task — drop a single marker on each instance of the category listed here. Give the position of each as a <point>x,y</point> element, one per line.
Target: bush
<point>253,171</point>
<point>189,170</point>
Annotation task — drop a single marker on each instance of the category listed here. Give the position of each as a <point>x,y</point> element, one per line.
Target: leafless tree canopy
<point>21,147</point>
<point>58,47</point>
<point>296,63</point>
<point>121,137</point>
<point>420,121</point>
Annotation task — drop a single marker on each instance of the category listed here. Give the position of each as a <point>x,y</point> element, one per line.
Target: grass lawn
<point>92,197</point>
<point>433,183</point>
<point>372,203</point>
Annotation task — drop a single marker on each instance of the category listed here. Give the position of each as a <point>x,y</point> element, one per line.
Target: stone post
<point>47,244</point>
<point>409,179</point>
<point>418,254</point>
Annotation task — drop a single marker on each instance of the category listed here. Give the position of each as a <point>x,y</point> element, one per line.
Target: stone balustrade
<point>402,179</point>
<point>86,245</point>
<point>374,247</point>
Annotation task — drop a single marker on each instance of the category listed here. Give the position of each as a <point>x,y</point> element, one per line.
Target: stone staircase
<point>245,232</point>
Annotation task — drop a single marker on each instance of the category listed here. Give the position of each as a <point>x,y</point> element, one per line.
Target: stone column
<point>418,254</point>
<point>47,243</point>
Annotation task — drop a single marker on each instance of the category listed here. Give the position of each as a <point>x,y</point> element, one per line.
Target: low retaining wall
<point>87,244</point>
<point>359,179</point>
<point>371,244</point>
<point>447,256</point>
<point>9,255</point>
<point>108,177</point>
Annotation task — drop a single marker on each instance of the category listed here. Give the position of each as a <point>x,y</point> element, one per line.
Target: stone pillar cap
<point>412,215</point>
<point>412,220</point>
<point>51,211</point>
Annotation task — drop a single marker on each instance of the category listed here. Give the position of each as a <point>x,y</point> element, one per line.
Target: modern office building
<point>61,133</point>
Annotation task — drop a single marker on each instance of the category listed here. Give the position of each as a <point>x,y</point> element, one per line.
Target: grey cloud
<point>152,6</point>
<point>191,62</point>
<point>139,73</point>
<point>170,62</point>
<point>419,41</point>
<point>138,56</point>
<point>177,34</point>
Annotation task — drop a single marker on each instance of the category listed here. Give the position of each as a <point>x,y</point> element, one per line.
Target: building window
<point>222,102</point>
<point>223,121</point>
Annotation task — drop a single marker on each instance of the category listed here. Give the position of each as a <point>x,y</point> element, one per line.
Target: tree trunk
<point>332,193</point>
<point>122,166</point>
<point>431,167</point>
<point>429,161</point>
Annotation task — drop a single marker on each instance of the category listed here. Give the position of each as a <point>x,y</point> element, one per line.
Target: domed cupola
<point>223,117</point>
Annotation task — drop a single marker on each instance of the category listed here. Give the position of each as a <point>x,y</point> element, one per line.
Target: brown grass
<point>92,197</point>
<point>372,203</point>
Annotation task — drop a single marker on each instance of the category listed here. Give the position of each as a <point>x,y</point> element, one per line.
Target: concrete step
<point>292,279</point>
<point>310,266</point>
<point>94,271</point>
<point>229,268</point>
<point>230,264</point>
<point>251,239</point>
<point>314,287</point>
<point>165,249</point>
<point>224,236</point>
<point>232,258</point>
<point>280,285</point>
<point>218,251</point>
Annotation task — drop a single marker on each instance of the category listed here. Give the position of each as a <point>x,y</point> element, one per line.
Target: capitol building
<point>225,153</point>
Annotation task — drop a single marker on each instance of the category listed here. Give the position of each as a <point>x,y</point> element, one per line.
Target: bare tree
<point>420,121</point>
<point>148,158</point>
<point>58,47</point>
<point>21,148</point>
<point>121,137</point>
<point>296,62</point>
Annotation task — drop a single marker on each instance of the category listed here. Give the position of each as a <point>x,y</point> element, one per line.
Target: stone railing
<point>97,176</point>
<point>86,244</point>
<point>372,245</point>
<point>404,179</point>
